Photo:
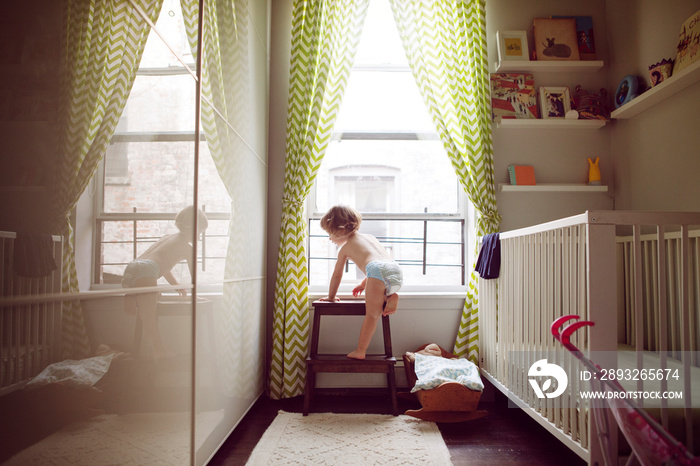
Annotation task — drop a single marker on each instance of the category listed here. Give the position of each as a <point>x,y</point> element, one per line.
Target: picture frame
<point>512,45</point>
<point>688,39</point>
<point>555,102</point>
<point>555,39</point>
<point>584,36</point>
<point>513,96</point>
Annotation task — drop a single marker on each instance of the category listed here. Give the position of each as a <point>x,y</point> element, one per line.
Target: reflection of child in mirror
<point>383,275</point>
<point>156,262</point>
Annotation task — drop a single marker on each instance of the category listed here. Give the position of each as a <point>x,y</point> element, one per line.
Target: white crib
<point>607,267</point>
<point>30,322</point>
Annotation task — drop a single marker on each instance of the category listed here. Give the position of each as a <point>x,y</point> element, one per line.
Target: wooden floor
<point>507,436</point>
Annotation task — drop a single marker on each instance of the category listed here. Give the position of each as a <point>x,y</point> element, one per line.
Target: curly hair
<point>184,220</point>
<point>341,220</point>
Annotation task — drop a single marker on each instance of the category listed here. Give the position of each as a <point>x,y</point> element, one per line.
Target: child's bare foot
<point>356,355</point>
<point>391,305</point>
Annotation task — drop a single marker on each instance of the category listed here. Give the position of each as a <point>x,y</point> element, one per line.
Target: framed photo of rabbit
<point>555,39</point>
<point>554,102</point>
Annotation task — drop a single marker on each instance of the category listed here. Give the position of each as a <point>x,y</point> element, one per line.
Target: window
<point>148,169</point>
<point>386,160</point>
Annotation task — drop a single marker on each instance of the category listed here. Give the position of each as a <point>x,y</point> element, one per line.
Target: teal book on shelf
<point>521,174</point>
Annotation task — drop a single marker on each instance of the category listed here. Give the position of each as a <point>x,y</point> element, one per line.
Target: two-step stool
<point>373,363</point>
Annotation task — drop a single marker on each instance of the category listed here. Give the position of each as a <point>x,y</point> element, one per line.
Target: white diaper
<point>387,271</point>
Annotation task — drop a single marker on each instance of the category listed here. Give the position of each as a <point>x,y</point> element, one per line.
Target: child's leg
<point>130,304</point>
<point>148,313</point>
<point>374,302</point>
<point>392,303</point>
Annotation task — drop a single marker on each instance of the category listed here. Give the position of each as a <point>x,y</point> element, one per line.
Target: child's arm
<point>357,291</point>
<point>173,281</point>
<point>336,277</point>
<point>189,251</point>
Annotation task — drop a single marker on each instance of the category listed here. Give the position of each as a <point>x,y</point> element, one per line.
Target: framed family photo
<point>512,45</point>
<point>554,101</point>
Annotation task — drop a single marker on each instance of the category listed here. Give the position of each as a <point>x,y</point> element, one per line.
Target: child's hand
<point>357,291</point>
<point>182,293</point>
<point>336,299</point>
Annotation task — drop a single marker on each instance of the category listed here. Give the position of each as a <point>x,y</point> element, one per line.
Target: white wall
<point>657,153</point>
<point>558,156</point>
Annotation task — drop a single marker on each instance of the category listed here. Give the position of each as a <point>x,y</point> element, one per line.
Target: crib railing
<point>30,326</point>
<point>656,333</point>
<point>578,265</point>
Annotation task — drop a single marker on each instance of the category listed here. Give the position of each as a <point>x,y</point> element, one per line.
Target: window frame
<point>464,213</point>
<point>100,216</point>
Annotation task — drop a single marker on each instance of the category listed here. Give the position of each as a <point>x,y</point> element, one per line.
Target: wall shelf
<point>550,123</point>
<point>588,66</point>
<point>660,92</point>
<point>554,187</point>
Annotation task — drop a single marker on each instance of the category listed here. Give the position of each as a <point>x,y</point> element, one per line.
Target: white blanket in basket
<point>433,371</point>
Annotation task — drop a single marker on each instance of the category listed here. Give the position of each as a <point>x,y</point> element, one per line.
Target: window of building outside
<point>387,161</point>
<point>149,167</point>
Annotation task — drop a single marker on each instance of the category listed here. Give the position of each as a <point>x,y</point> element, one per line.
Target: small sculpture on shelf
<point>594,172</point>
<point>591,106</point>
<point>660,71</point>
<point>629,88</point>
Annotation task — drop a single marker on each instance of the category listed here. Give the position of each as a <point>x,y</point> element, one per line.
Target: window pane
<point>117,248</point>
<point>430,252</point>
<point>386,158</point>
<point>133,169</point>
<point>160,103</point>
<point>380,43</point>
<point>171,26</point>
<point>383,100</point>
<point>388,176</point>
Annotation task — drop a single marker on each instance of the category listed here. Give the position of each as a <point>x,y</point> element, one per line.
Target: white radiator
<point>30,321</point>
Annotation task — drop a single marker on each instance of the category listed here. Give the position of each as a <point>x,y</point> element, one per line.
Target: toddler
<point>383,277</point>
<point>156,262</point>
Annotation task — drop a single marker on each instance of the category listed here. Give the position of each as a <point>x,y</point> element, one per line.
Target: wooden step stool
<point>373,363</point>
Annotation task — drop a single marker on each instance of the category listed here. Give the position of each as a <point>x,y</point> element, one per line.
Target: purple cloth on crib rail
<point>33,255</point>
<point>488,264</point>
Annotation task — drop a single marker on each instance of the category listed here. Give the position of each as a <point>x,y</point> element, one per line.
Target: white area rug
<point>152,439</point>
<point>350,439</point>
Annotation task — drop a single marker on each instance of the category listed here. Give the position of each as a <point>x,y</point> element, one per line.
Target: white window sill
<point>428,300</point>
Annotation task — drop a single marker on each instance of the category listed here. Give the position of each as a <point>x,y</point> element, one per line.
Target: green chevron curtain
<point>325,35</point>
<point>225,110</point>
<point>104,40</point>
<point>445,43</point>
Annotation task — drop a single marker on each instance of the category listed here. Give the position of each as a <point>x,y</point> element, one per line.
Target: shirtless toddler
<point>383,277</point>
<point>156,262</point>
